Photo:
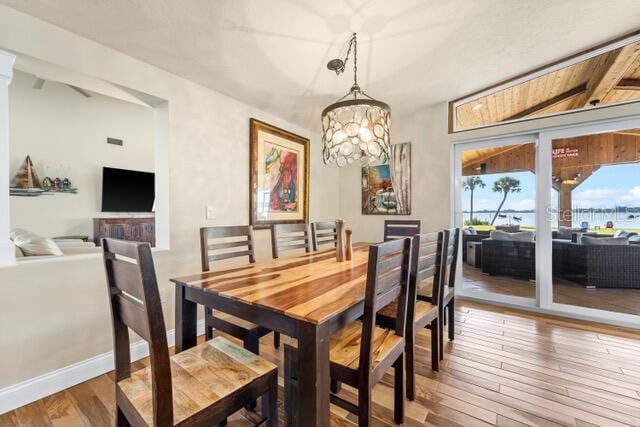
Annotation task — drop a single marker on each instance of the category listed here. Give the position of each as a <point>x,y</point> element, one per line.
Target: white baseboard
<point>25,392</point>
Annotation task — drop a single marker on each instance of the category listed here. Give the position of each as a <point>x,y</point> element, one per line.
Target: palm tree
<point>470,183</point>
<point>505,185</point>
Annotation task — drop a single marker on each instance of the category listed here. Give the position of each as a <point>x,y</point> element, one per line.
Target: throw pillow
<point>33,245</point>
<point>18,252</point>
<point>17,232</point>
<point>520,236</point>
<point>622,233</point>
<point>602,241</point>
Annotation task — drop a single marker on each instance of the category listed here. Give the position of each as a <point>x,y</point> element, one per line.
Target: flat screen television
<point>127,190</point>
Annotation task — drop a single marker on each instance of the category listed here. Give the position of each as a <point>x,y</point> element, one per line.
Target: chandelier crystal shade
<point>356,126</point>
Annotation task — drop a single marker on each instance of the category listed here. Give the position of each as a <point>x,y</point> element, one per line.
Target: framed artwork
<point>386,187</point>
<point>278,176</point>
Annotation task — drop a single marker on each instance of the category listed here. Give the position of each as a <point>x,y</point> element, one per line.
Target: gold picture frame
<point>278,176</point>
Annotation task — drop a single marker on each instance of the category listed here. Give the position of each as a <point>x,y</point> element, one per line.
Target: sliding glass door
<point>571,248</point>
<point>596,229</point>
<point>496,194</point>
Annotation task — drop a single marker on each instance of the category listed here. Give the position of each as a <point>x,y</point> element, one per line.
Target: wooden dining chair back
<point>136,305</point>
<point>400,229</point>
<point>287,237</point>
<point>361,352</point>
<point>238,243</point>
<point>146,397</point>
<point>451,266</point>
<point>445,297</point>
<point>324,233</point>
<point>452,256</point>
<point>426,266</point>
<point>227,242</point>
<point>387,282</point>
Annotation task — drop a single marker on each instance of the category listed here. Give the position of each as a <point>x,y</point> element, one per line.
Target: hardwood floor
<point>505,368</point>
<point>564,292</point>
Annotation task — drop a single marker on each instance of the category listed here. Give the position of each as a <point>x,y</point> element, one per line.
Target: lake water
<point>620,220</point>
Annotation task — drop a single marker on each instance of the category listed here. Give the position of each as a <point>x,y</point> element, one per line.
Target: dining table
<point>308,297</point>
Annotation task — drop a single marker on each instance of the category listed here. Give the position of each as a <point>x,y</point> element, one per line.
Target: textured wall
<point>55,313</point>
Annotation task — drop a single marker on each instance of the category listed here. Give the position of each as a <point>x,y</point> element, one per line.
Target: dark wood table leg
<point>186,321</point>
<point>313,375</point>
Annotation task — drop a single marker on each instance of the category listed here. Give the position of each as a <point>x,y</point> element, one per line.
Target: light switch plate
<point>210,212</point>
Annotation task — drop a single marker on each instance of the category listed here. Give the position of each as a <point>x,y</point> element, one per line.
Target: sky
<point>609,186</point>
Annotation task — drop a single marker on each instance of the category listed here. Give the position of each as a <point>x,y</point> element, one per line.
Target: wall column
<point>564,205</point>
<point>7,254</point>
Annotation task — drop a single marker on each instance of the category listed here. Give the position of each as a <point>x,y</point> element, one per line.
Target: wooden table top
<point>311,287</point>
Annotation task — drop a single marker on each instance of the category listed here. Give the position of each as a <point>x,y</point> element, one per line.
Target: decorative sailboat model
<point>26,181</point>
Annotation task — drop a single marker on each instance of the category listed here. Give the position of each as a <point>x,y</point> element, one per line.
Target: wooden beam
<point>571,93</point>
<point>628,84</point>
<point>609,75</point>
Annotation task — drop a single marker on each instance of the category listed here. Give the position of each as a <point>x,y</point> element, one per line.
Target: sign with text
<point>564,152</point>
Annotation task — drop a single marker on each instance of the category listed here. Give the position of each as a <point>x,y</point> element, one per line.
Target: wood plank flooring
<point>505,368</point>
<point>564,292</point>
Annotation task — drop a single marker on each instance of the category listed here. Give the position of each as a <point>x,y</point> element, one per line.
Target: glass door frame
<point>458,218</point>
<point>543,138</point>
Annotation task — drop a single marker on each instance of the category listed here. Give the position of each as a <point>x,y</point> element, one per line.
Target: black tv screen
<point>127,191</point>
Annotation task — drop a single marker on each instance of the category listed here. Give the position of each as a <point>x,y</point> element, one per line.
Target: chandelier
<point>356,126</point>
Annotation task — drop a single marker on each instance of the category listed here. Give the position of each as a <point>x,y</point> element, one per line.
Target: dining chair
<point>324,233</point>
<point>426,263</point>
<point>225,242</point>
<point>287,237</point>
<point>400,229</point>
<point>448,290</point>
<point>450,262</point>
<point>200,386</point>
<point>361,352</point>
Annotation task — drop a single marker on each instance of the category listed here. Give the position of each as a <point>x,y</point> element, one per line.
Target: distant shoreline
<point>581,210</point>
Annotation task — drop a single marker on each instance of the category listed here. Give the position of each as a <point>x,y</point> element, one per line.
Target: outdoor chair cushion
<point>602,241</point>
<point>622,233</point>
<point>520,236</point>
<point>566,233</point>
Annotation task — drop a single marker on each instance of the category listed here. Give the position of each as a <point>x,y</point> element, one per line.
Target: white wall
<point>55,313</point>
<point>65,134</point>
<point>6,73</point>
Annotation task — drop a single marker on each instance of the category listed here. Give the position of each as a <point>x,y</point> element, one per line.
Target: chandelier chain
<point>355,60</point>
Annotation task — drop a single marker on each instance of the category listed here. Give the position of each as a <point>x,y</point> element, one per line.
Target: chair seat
<point>425,294</point>
<point>345,345</point>
<point>201,376</point>
<point>423,310</point>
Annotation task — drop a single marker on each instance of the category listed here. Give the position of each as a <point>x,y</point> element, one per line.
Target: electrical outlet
<point>211,212</point>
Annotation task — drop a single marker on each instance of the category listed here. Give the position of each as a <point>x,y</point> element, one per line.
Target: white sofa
<point>61,246</point>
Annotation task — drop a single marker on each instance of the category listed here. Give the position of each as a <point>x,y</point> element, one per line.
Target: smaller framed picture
<point>278,176</point>
<point>386,187</point>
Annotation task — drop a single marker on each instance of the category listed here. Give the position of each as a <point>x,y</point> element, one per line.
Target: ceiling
<point>273,54</point>
<point>608,78</point>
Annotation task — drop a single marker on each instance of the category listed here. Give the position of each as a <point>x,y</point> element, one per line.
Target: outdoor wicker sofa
<point>509,258</point>
<point>597,266</point>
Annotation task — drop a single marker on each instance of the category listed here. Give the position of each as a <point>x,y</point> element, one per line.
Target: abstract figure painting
<point>279,176</point>
<point>386,187</point>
